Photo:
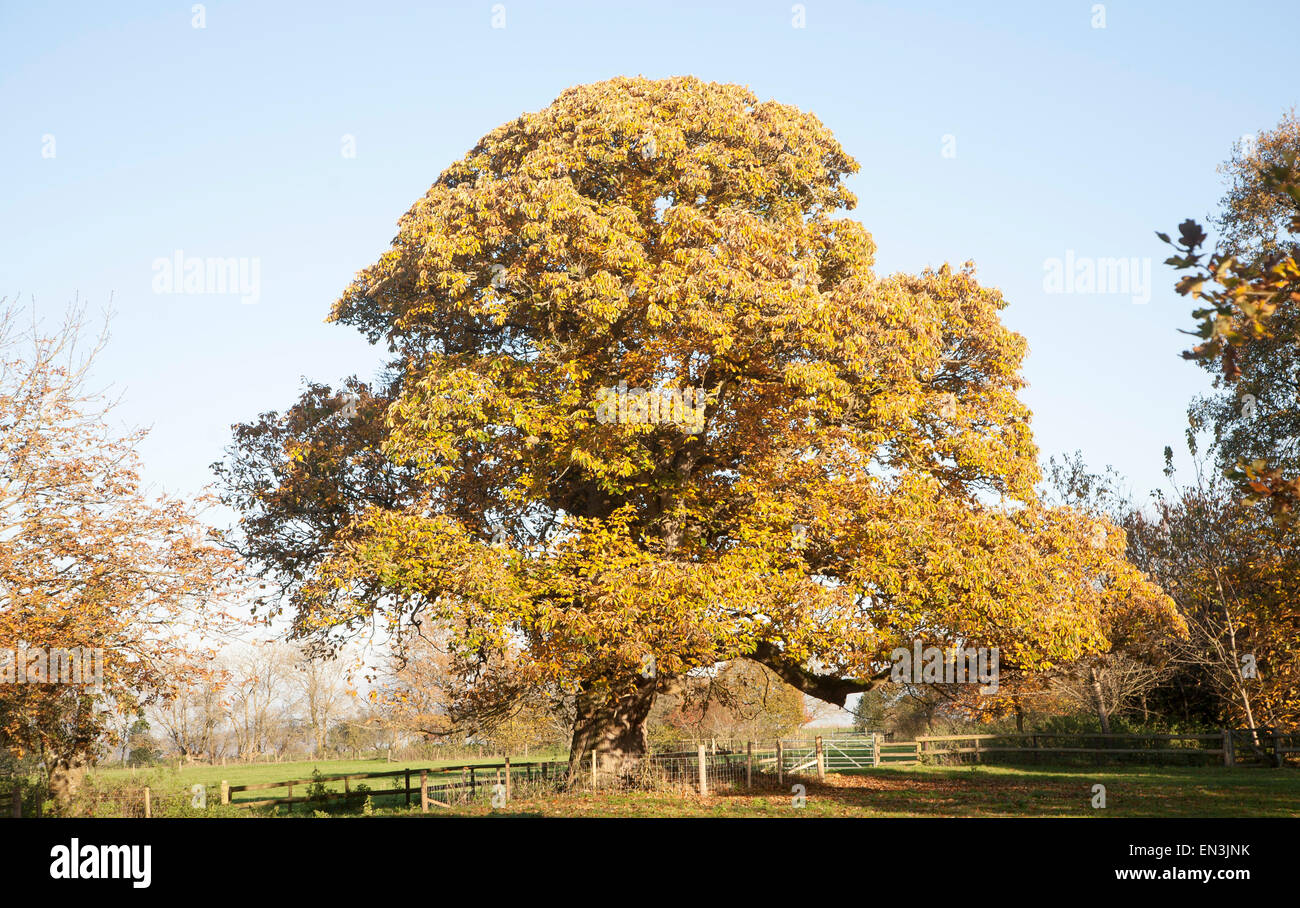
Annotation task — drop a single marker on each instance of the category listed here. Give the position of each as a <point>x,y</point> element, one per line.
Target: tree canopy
<point>863,474</point>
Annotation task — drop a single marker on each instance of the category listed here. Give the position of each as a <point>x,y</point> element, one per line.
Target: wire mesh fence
<point>497,785</point>
<point>723,770</point>
<point>733,766</point>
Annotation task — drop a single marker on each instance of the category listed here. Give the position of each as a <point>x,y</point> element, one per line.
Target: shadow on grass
<point>992,791</point>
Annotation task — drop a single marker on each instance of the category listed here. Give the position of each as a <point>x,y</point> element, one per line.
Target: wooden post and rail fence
<point>431,781</point>
<point>1268,746</point>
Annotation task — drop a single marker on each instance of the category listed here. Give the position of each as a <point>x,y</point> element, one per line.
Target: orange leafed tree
<point>1247,292</point>
<point>1234,564</point>
<point>89,559</point>
<point>861,474</point>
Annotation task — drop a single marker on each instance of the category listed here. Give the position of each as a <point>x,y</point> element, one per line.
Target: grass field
<point>168,779</point>
<point>914,791</point>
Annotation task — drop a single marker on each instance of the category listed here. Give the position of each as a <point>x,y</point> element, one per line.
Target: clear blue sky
<point>225,141</point>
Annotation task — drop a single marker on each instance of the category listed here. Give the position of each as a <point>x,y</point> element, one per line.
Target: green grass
<point>164,779</point>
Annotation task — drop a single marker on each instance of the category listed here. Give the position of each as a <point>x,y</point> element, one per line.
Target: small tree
<point>321,682</point>
<point>1235,574</point>
<point>1106,684</point>
<point>89,560</point>
<point>874,710</point>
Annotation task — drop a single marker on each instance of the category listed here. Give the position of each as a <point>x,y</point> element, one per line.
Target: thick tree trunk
<point>1102,715</point>
<point>66,774</point>
<point>614,727</point>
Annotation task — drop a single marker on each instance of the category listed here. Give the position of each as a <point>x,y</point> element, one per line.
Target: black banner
<point>393,856</point>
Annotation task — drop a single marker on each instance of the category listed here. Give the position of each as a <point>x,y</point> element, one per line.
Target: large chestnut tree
<point>864,475</point>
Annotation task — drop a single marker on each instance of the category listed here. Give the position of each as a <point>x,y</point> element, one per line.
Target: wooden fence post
<point>821,760</point>
<point>225,792</point>
<point>148,806</point>
<point>780,765</point>
<point>408,789</point>
<point>593,768</point>
<point>875,749</point>
<point>704,773</point>
<point>978,757</point>
<point>18,800</point>
<point>1227,747</point>
<point>749,764</point>
<point>507,780</point>
<point>424,791</point>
